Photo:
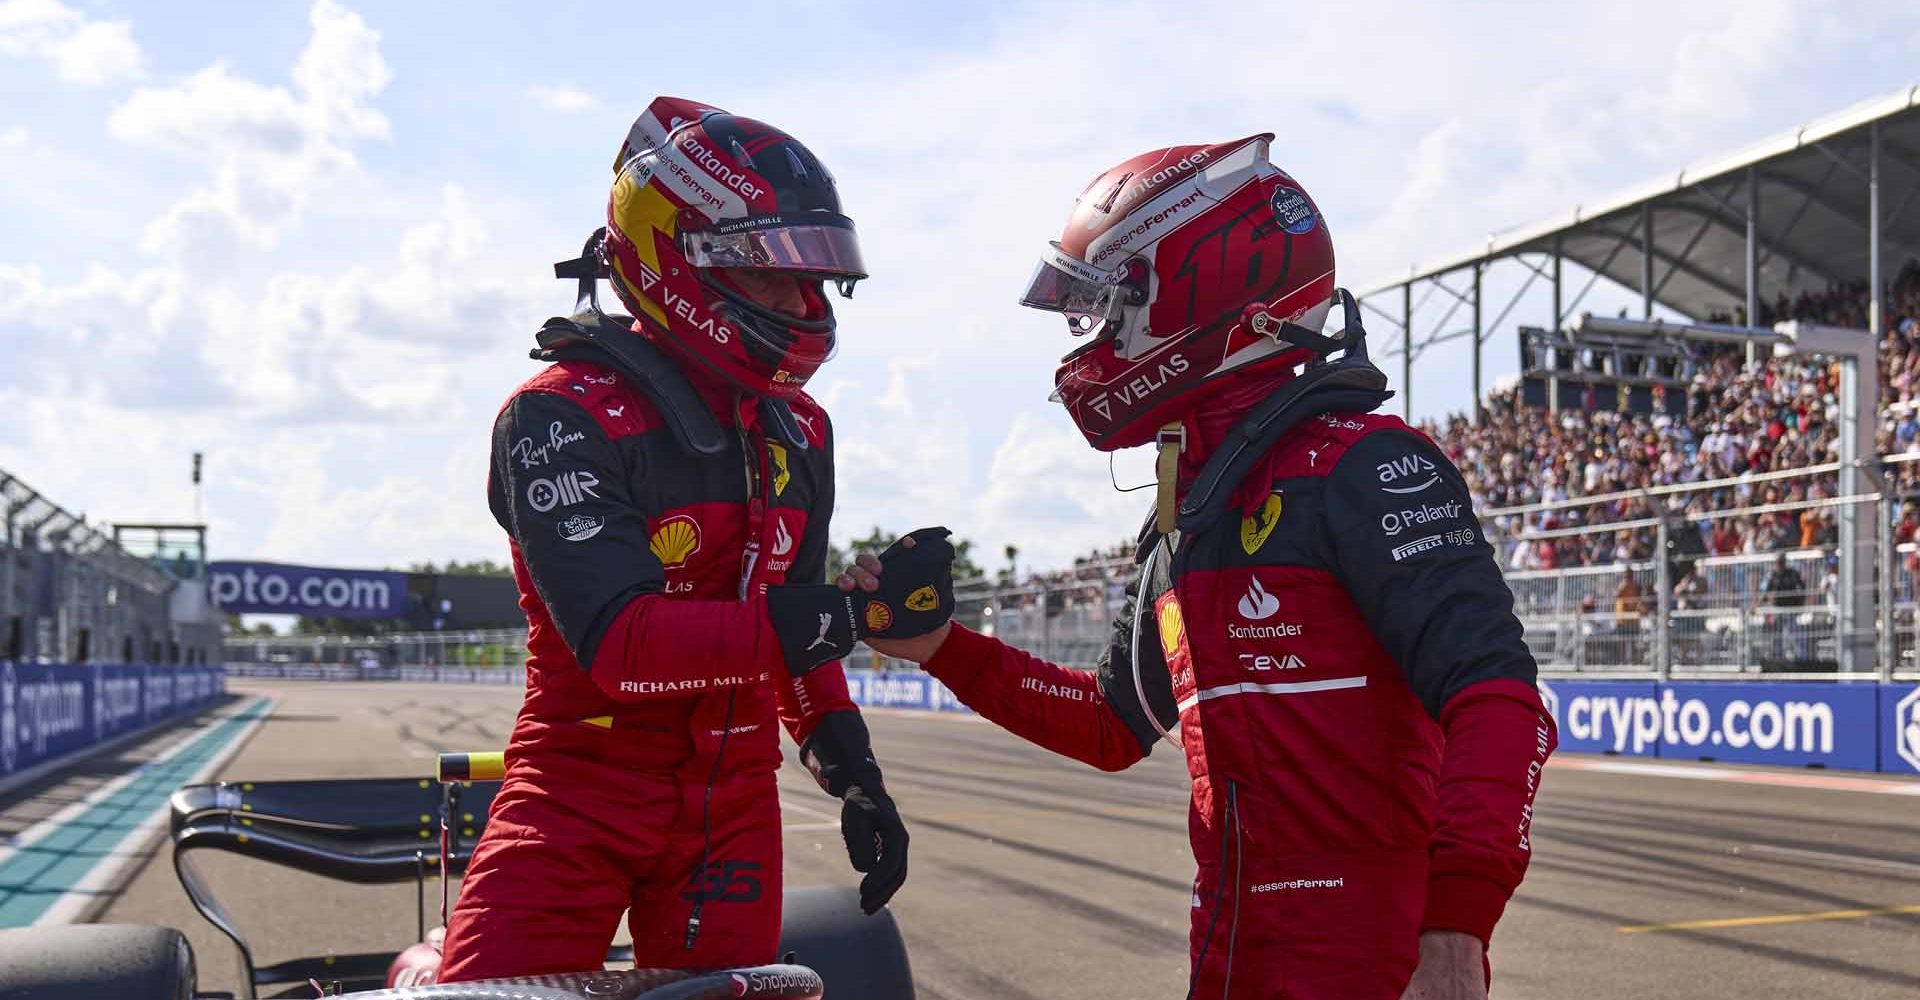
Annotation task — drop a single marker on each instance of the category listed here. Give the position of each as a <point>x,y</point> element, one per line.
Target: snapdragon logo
<point>1637,724</point>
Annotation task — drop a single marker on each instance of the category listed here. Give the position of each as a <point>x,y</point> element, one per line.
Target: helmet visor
<point>1063,283</point>
<point>816,243</point>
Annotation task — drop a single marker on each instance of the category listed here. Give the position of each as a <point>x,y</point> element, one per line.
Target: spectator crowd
<point>1738,420</point>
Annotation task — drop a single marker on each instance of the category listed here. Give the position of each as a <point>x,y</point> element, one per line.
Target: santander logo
<point>1256,603</point>
<point>782,539</point>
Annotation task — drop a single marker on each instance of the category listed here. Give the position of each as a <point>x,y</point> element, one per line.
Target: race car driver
<point>666,485</point>
<point>1318,610</point>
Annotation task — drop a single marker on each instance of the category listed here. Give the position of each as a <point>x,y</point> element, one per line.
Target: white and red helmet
<point>1182,264</point>
<point>698,192</point>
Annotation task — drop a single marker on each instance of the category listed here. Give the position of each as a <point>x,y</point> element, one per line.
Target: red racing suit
<point>1355,701</point>
<point>640,774</point>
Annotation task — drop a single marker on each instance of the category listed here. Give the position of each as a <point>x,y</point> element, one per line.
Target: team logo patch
<point>879,617</point>
<point>1293,211</point>
<point>580,527</point>
<point>1173,625</point>
<point>923,599</point>
<point>675,540</point>
<point>1255,527</point>
<point>781,475</point>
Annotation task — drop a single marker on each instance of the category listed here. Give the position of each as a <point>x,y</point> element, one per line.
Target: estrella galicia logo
<point>580,527</point>
<point>9,732</point>
<point>1906,732</point>
<point>1293,211</point>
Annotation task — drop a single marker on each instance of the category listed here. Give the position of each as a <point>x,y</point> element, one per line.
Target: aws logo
<point>674,540</point>
<point>1255,527</point>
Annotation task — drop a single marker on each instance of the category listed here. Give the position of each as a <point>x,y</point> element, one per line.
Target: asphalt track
<point>1036,877</point>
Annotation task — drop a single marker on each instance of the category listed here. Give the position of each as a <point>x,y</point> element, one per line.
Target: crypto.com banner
<point>50,710</point>
<point>1853,726</point>
<point>263,588</point>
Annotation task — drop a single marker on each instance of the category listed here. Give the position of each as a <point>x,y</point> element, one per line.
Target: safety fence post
<point>1663,601</point>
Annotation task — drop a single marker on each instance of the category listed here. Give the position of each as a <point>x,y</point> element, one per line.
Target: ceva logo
<point>1906,732</point>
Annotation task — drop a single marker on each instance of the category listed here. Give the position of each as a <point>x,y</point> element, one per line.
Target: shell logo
<point>674,540</point>
<point>1255,527</point>
<point>1173,625</point>
<point>879,617</point>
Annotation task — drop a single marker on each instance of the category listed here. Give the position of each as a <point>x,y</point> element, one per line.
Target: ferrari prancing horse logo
<point>781,475</point>
<point>1255,527</point>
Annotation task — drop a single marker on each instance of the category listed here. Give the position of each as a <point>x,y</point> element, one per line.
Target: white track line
<point>1700,772</point>
<point>39,831</point>
<point>105,873</point>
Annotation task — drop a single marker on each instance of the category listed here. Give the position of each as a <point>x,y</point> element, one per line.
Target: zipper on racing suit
<point>749,561</point>
<point>756,504</point>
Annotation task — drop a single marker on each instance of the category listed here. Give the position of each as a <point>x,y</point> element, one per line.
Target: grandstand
<point>72,593</point>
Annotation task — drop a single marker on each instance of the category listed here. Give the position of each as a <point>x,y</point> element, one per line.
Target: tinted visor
<point>817,243</point>
<point>1064,283</point>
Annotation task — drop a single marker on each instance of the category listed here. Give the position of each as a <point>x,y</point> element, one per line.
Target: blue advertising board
<point>1900,728</point>
<point>1782,722</point>
<point>1792,723</point>
<point>1604,716</point>
<point>49,710</point>
<point>279,589</point>
<point>901,689</point>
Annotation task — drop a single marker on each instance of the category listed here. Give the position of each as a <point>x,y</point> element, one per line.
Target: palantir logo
<point>1256,603</point>
<point>1906,736</point>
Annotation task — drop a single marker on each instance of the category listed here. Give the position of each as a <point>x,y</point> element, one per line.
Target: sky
<point>314,240</point>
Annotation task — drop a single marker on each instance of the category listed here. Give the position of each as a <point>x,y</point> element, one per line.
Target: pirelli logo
<point>1417,546</point>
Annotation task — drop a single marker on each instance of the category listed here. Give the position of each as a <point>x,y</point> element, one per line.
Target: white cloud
<point>82,50</point>
<point>16,137</point>
<point>345,407</point>
<point>561,98</point>
<point>272,148</point>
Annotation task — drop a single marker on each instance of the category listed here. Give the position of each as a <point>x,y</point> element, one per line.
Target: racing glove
<point>819,623</point>
<point>916,584</point>
<point>839,753</point>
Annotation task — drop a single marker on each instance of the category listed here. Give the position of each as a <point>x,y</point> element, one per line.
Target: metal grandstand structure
<point>1821,205</point>
<point>69,592</point>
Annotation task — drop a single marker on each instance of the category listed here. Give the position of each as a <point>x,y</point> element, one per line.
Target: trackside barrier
<point>345,672</point>
<point>49,711</point>
<point>1855,727</point>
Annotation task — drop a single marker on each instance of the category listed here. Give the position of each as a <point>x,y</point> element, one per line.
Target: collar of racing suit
<point>1221,408</point>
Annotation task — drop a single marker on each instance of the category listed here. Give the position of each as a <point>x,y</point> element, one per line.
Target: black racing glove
<point>819,623</point>
<point>916,585</point>
<point>840,755</point>
<point>815,623</point>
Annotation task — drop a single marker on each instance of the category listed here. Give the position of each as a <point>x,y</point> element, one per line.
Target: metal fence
<point>1705,616</point>
<point>69,593</point>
